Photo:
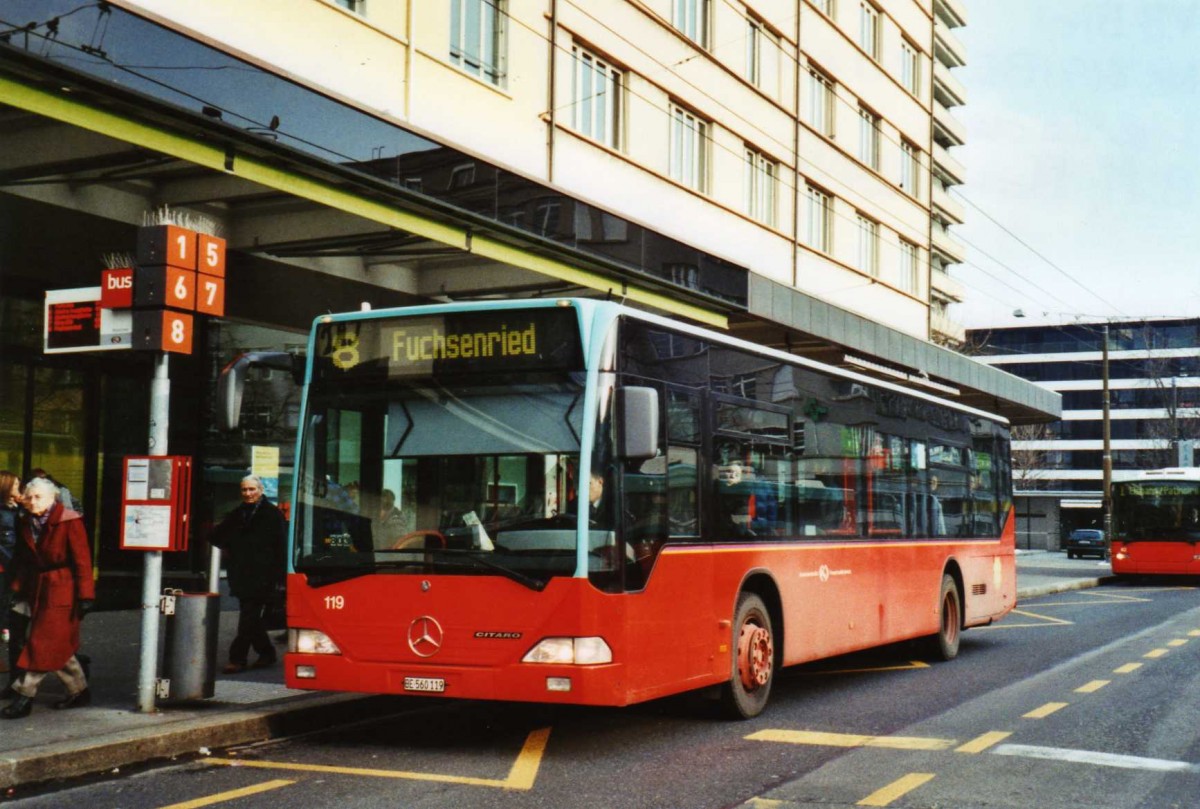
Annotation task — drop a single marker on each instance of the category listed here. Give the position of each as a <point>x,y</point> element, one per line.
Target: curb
<point>183,737</point>
<point>1064,586</point>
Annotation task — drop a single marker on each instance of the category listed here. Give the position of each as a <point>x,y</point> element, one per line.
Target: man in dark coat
<point>253,540</point>
<point>54,583</point>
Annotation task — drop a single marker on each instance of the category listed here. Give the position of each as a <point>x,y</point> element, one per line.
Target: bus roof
<point>610,310</point>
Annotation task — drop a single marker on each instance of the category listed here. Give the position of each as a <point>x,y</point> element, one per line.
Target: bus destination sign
<point>467,342</point>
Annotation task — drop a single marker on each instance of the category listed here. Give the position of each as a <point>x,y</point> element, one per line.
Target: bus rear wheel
<point>945,642</point>
<point>752,658</point>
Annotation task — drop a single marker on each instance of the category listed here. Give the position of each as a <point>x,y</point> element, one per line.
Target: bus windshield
<point>1156,510</point>
<point>420,468</point>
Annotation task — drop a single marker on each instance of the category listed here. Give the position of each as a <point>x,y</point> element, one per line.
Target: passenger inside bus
<point>736,505</point>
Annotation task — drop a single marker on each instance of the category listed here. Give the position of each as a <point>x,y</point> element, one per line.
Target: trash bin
<point>190,651</point>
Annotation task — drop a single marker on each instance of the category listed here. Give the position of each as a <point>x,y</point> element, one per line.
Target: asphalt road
<point>1081,699</point>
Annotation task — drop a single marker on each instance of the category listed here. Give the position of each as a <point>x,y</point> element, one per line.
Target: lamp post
<point>1107,439</point>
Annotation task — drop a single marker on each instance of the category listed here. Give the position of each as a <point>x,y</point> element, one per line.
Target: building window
<point>762,175</point>
<point>908,266</point>
<point>689,149</point>
<point>910,164</point>
<point>868,29</point>
<point>817,221</point>
<point>825,7</point>
<point>352,5</point>
<point>762,57</point>
<point>691,18</point>
<point>595,92</point>
<point>820,102</point>
<point>477,38</point>
<point>867,257</point>
<point>868,138</point>
<point>910,68</point>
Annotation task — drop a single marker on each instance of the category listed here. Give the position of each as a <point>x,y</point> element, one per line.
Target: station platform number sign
<point>177,274</point>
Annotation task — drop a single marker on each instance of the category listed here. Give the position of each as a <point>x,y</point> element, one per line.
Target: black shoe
<point>84,697</point>
<point>19,708</point>
<point>8,692</point>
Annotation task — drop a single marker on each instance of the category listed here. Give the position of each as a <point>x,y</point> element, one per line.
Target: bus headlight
<point>311,642</point>
<point>571,651</point>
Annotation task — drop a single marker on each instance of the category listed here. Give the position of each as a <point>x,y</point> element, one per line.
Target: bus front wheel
<point>945,642</point>
<point>753,660</point>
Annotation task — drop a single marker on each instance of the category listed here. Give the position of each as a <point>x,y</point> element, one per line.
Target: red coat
<point>51,576</point>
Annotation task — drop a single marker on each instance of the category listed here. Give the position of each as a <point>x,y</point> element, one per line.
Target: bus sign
<point>460,343</point>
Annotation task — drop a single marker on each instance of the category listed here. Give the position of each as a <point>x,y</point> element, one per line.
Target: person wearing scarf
<point>53,565</point>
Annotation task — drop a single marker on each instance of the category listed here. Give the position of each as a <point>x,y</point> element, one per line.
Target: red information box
<point>155,502</point>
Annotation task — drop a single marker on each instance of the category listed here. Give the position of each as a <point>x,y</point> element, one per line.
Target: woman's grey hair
<point>42,485</point>
<point>255,479</point>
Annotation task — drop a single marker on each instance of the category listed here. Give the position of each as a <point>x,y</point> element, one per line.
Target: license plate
<point>435,684</point>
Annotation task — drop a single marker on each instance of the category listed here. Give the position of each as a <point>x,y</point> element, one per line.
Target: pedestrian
<point>11,632</point>
<point>252,537</point>
<point>64,494</point>
<point>54,587</point>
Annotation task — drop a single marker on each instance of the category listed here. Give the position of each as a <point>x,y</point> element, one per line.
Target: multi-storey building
<point>1154,412</point>
<point>777,168</point>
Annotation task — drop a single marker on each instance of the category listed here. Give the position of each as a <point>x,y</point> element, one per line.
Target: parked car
<point>1086,542</point>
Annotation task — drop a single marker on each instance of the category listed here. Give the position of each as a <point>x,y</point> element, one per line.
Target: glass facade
<point>152,66</point>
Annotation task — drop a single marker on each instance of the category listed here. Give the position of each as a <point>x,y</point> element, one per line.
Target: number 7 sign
<point>210,295</point>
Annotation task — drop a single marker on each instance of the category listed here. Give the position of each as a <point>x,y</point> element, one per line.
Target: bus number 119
<point>335,602</point>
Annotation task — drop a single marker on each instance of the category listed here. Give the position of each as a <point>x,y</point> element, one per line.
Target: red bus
<point>1156,523</point>
<point>572,501</point>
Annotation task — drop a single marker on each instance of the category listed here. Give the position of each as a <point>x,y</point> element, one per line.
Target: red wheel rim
<point>756,656</point>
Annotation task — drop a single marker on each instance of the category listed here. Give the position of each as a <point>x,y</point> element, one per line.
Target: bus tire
<point>752,660</point>
<point>945,643</point>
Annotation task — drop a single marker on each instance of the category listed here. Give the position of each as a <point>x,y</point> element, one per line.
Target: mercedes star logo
<point>425,636</point>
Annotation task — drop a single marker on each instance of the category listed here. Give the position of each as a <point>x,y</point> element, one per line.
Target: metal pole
<point>1107,445</point>
<point>160,408</point>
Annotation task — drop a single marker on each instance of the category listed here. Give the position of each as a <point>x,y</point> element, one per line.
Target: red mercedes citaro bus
<point>572,501</point>
<point>1156,523</point>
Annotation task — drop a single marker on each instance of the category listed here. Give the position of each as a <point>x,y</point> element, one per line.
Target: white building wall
<point>394,61</point>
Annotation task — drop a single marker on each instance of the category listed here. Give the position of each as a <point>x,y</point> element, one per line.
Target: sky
<point>1082,191</point>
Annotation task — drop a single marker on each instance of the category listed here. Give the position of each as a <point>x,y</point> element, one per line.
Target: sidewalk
<point>255,705</point>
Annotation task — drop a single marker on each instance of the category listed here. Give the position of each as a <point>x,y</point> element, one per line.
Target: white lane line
<point>1099,759</point>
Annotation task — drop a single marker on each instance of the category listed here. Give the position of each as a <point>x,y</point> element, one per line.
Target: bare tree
<point>1030,464</point>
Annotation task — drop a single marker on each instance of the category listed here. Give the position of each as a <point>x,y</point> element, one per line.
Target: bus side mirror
<point>638,409</point>
<point>231,382</point>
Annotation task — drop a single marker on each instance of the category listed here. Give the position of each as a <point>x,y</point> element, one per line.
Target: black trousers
<point>251,632</point>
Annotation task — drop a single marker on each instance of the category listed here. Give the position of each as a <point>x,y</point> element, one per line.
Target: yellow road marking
<point>1048,621</point>
<point>1088,599</point>
<point>221,797</point>
<point>1092,687</point>
<point>981,743</point>
<point>1127,668</point>
<point>1156,653</point>
<point>1195,633</point>
<point>909,666</point>
<point>896,789</point>
<point>1177,642</point>
<point>1046,710</point>
<point>521,776</point>
<point>850,740</point>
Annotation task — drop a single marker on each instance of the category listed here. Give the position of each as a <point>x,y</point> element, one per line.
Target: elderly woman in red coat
<point>53,566</point>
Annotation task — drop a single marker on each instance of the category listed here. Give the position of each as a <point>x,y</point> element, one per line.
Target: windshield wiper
<point>458,556</point>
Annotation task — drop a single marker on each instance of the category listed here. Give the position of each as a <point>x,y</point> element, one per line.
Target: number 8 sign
<point>162,330</point>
